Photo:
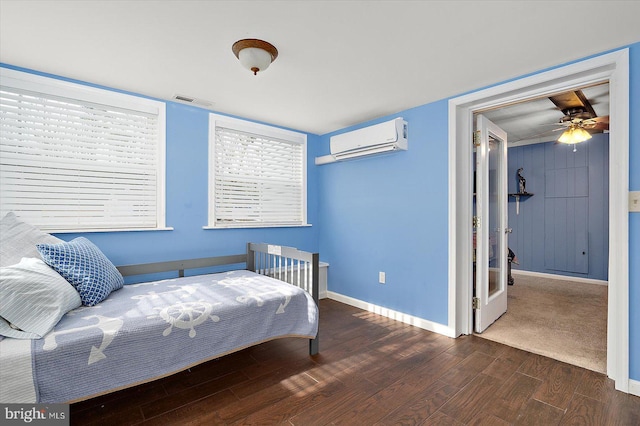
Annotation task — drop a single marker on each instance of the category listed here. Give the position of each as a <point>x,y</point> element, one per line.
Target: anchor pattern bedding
<point>149,330</point>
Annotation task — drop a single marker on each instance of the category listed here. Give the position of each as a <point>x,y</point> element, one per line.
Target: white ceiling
<point>340,62</point>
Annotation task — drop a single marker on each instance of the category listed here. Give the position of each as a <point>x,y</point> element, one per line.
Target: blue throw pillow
<point>86,268</point>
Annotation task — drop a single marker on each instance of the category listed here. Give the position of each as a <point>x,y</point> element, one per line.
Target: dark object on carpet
<point>511,258</point>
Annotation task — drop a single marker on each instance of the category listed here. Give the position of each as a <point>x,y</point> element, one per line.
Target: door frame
<point>612,67</point>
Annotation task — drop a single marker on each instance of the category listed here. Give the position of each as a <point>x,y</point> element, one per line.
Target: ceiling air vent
<point>183,98</point>
<point>193,101</point>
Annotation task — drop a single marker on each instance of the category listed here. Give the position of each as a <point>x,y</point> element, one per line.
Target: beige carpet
<point>560,319</point>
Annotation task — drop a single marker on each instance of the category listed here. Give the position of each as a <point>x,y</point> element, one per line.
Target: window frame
<point>21,80</point>
<point>267,131</point>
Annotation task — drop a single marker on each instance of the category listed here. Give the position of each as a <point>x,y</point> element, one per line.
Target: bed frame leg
<point>314,346</point>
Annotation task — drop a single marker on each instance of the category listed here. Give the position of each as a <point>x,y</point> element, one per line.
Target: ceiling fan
<point>579,120</point>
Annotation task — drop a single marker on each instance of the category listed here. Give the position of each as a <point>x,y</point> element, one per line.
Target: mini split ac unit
<point>377,139</point>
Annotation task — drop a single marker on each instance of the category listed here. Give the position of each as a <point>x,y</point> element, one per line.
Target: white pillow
<point>18,239</point>
<point>33,298</point>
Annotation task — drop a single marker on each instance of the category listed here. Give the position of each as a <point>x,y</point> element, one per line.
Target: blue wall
<point>390,214</point>
<point>545,229</point>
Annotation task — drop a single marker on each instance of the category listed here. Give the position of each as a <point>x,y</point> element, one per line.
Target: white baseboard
<point>634,387</point>
<point>398,316</point>
<point>559,277</point>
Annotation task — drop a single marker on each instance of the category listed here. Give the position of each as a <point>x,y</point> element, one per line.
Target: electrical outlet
<point>382,277</point>
<point>634,201</point>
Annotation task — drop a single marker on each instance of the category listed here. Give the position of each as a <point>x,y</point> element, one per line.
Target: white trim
<point>634,387</point>
<point>559,277</point>
<point>257,128</point>
<point>612,67</point>
<point>325,159</point>
<point>395,315</point>
<point>98,231</point>
<point>161,195</point>
<point>55,86</point>
<point>618,315</point>
<point>304,225</point>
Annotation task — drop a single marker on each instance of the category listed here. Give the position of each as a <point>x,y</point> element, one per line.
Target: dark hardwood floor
<point>371,370</point>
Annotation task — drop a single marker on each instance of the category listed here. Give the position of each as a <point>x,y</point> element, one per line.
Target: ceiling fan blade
<point>597,123</point>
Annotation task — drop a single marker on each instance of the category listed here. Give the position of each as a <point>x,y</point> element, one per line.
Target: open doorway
<point>558,223</point>
<point>612,67</point>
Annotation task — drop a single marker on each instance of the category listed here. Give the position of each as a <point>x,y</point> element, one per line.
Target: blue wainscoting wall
<point>564,227</point>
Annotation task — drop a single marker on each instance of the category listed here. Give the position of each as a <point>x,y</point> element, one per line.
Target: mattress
<point>150,330</point>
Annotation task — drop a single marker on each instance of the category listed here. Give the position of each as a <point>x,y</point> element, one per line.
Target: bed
<point>149,330</point>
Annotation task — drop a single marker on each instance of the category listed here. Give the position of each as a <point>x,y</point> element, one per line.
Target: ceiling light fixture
<point>255,55</point>
<point>574,134</point>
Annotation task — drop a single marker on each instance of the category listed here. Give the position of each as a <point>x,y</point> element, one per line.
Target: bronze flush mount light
<point>255,55</point>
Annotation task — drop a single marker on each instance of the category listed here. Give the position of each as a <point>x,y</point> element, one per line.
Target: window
<point>76,158</point>
<point>257,175</point>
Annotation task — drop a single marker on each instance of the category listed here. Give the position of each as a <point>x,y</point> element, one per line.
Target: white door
<point>491,224</point>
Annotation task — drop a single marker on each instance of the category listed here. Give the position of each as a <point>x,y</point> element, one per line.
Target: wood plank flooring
<point>371,370</point>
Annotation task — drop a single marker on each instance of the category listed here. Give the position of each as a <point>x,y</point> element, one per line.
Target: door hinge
<point>475,303</point>
<point>476,138</point>
<point>476,222</point>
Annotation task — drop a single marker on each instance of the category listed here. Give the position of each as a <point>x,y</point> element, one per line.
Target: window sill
<point>86,231</point>
<point>307,225</point>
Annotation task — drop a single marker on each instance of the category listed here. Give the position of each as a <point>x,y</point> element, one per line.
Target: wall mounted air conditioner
<point>377,139</point>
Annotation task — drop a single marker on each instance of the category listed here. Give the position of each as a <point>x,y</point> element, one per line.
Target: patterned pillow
<point>33,298</point>
<point>81,263</point>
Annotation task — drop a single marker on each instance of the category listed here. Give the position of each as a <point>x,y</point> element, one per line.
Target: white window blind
<point>76,159</point>
<point>258,180</point>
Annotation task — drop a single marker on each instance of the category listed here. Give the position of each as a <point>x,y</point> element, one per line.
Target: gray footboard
<point>290,265</point>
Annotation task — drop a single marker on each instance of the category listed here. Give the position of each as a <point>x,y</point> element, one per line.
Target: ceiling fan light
<point>566,136</point>
<point>573,135</point>
<point>582,134</point>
